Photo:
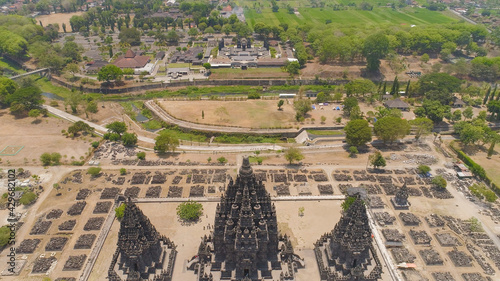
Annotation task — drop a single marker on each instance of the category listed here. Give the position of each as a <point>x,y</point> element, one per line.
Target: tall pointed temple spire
<point>245,241</point>
<point>347,253</point>
<point>142,253</point>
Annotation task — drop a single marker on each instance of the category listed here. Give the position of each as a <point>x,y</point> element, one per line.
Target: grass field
<point>233,73</point>
<point>407,16</point>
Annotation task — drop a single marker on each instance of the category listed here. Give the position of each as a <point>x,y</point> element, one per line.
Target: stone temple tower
<point>245,243</point>
<point>347,253</point>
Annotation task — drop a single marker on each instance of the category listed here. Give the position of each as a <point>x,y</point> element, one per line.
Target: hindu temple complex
<point>142,253</point>
<point>245,243</point>
<point>347,252</point>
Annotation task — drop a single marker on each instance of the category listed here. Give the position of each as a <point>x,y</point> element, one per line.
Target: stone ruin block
<point>460,258</point>
<point>174,191</point>
<point>409,219</point>
<point>221,177</point>
<point>376,202</point>
<point>344,187</point>
<point>110,193</point>
<point>159,178</point>
<point>75,262</point>
<point>384,179</point>
<point>434,220</point>
<point>342,177</point>
<point>431,257</point>
<point>197,191</point>
<point>77,208</point>
<point>442,276</point>
<point>371,188</point>
<point>82,194</point>
<point>56,244</point>
<point>67,225</point>
<point>153,192</point>
<point>441,193</point>
<point>54,214</point>
<point>320,177</point>
<point>211,189</point>
<point>402,255</point>
<point>280,177</point>
<point>94,224</point>
<point>197,179</point>
<point>384,218</point>
<point>42,265</point>
<point>119,181</point>
<point>40,227</point>
<point>177,180</point>
<point>447,240</point>
<point>393,235</point>
<point>85,241</point>
<point>413,191</point>
<point>413,275</point>
<point>300,178</point>
<point>473,277</point>
<point>102,207</point>
<point>389,188</point>
<point>27,246</point>
<point>138,178</point>
<point>132,192</point>
<point>282,190</point>
<point>325,189</point>
<point>420,237</point>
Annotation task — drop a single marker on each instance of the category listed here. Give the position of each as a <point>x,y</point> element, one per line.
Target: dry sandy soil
<point>38,138</point>
<point>257,113</point>
<point>59,19</point>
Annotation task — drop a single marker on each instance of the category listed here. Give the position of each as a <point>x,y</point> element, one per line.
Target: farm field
<point>58,18</point>
<point>408,16</point>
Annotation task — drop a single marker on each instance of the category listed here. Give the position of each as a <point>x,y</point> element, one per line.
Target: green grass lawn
<point>178,65</point>
<point>48,87</point>
<point>262,70</point>
<point>378,16</point>
<point>5,64</point>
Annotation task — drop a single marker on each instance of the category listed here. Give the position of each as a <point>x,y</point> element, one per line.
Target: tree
<point>280,104</point>
<point>391,128</point>
<point>166,141</point>
<point>55,158</point>
<point>78,127</point>
<point>322,97</point>
<point>123,171</point>
<point>360,87</point>
<point>424,169</point>
<point>424,58</point>
<point>72,68</point>
<point>433,110</point>
<point>439,86</point>
<point>130,36</point>
<point>222,160</point>
<point>34,113</point>
<point>25,99</point>
<point>491,150</point>
<point>494,107</point>
<point>207,66</point>
<point>323,119</point>
<point>302,107</point>
<point>439,181</point>
<point>457,115</point>
<point>73,100</point>
<point>376,46</point>
<point>92,107</point>
<point>353,151</point>
<point>358,132</point>
<point>172,37</point>
<point>27,198</point>
<point>486,96</point>
<point>190,210</point>
<point>349,104</point>
<point>117,127</point>
<point>422,126</point>
<point>46,159</point>
<point>193,32</point>
<point>468,113</point>
<point>377,160</point>
<point>7,87</point>
<point>129,139</point>
<point>293,154</point>
<point>292,67</point>
<point>120,211</point>
<point>141,155</point>
<point>94,171</point>
<point>109,72</point>
<point>395,87</point>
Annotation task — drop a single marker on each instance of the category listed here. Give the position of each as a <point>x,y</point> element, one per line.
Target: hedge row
<point>475,168</point>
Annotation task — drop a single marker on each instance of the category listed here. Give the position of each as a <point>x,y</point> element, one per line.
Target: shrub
<point>141,155</point>
<point>353,151</point>
<point>46,159</point>
<point>253,96</point>
<point>95,144</point>
<point>94,171</point>
<point>77,163</point>
<point>123,171</point>
<point>222,160</point>
<point>439,181</point>
<point>27,198</point>
<point>4,235</point>
<point>119,211</point>
<point>424,169</point>
<point>189,210</point>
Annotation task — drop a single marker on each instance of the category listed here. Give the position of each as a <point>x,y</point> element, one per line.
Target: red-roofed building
<point>131,60</point>
<point>227,8</point>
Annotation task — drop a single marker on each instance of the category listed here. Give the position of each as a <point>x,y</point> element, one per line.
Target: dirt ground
<point>258,113</point>
<point>59,19</point>
<point>37,138</point>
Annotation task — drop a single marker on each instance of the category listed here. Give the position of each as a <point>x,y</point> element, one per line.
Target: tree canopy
<point>293,154</point>
<point>190,210</point>
<point>358,132</point>
<point>166,141</point>
<point>389,128</point>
